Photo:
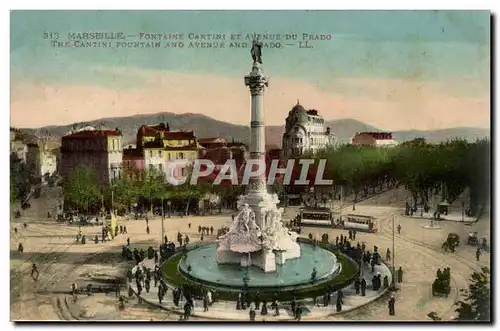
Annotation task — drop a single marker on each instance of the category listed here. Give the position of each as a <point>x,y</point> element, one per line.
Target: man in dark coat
<point>400,275</point>
<point>363,287</point>
<point>391,304</point>
<point>357,285</point>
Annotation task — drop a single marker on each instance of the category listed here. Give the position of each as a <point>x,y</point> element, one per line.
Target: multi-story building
<point>159,145</point>
<point>305,132</point>
<point>373,139</point>
<point>42,158</point>
<point>100,150</point>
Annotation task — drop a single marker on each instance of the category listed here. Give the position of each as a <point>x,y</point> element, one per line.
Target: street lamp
<point>162,223</point>
<point>393,252</point>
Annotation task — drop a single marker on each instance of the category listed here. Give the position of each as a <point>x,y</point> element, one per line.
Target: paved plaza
<point>52,246</point>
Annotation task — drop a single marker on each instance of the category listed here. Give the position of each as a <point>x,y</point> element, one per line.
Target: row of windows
<point>359,221</point>
<point>179,156</point>
<point>316,120</point>
<point>159,167</point>
<point>316,216</point>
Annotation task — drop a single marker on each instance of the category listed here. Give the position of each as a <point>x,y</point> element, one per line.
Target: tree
<point>81,189</point>
<point>477,303</point>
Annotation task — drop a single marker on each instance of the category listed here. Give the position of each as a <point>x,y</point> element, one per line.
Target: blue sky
<point>416,46</point>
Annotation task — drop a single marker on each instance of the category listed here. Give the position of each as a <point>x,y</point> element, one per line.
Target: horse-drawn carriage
<point>472,239</point>
<point>441,285</point>
<point>451,243</point>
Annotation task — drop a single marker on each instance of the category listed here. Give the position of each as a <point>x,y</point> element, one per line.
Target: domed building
<point>305,132</point>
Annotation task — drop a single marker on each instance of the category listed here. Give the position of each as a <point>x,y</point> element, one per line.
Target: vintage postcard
<point>250,166</point>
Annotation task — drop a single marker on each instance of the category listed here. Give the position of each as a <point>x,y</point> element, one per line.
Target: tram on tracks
<point>359,222</point>
<point>316,217</point>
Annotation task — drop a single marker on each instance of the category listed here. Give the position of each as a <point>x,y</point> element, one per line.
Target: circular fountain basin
<point>295,272</point>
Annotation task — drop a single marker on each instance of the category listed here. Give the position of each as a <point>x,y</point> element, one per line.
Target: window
<point>169,156</point>
<point>159,153</point>
<point>160,167</point>
<point>181,156</point>
<point>150,153</point>
<point>113,141</point>
<point>151,167</point>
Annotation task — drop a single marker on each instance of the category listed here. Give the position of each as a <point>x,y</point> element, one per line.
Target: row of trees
<point>143,190</point>
<point>423,168</point>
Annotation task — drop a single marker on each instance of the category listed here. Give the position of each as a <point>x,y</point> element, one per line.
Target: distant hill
<point>207,127</point>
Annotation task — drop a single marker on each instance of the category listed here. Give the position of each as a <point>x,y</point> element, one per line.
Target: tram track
<point>431,253</point>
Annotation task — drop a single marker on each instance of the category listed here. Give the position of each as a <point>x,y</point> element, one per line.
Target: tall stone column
<point>257,198</point>
<point>257,83</point>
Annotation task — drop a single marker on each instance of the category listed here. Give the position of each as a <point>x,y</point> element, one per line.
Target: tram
<point>316,216</point>
<point>360,222</point>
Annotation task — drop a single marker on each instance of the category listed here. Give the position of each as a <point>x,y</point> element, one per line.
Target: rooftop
<point>378,135</point>
<point>92,134</point>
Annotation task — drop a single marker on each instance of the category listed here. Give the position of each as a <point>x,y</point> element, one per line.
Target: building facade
<point>305,132</point>
<point>101,150</point>
<point>160,146</point>
<point>42,158</point>
<point>373,139</point>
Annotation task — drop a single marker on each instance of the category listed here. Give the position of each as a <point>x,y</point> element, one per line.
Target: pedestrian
<point>25,226</point>
<point>357,285</point>
<point>89,290</point>
<point>187,310</point>
<point>211,230</point>
<point>263,311</point>
<point>199,229</point>
<point>350,235</point>
<point>96,239</point>
<point>189,225</point>
<point>353,234</point>
<point>201,238</point>
<point>147,284</point>
<point>388,255</point>
<point>252,314</point>
<point>15,230</point>
<point>399,228</point>
<point>298,313</point>
<point>165,239</point>
<point>20,248</point>
<point>363,287</point>
<point>128,241</point>
<point>478,254</point>
<point>147,229</point>
<point>391,304</point>
<point>121,229</point>
<point>34,272</point>
<point>205,303</point>
<point>117,288</point>
<point>400,275</point>
<point>124,229</point>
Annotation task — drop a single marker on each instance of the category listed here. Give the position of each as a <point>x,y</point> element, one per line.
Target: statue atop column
<point>256,51</point>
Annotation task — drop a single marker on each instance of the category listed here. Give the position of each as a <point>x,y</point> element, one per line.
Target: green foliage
<point>421,167</point>
<point>20,184</point>
<point>81,189</point>
<point>477,303</point>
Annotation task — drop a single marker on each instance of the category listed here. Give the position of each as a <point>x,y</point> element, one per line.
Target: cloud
<point>386,103</point>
